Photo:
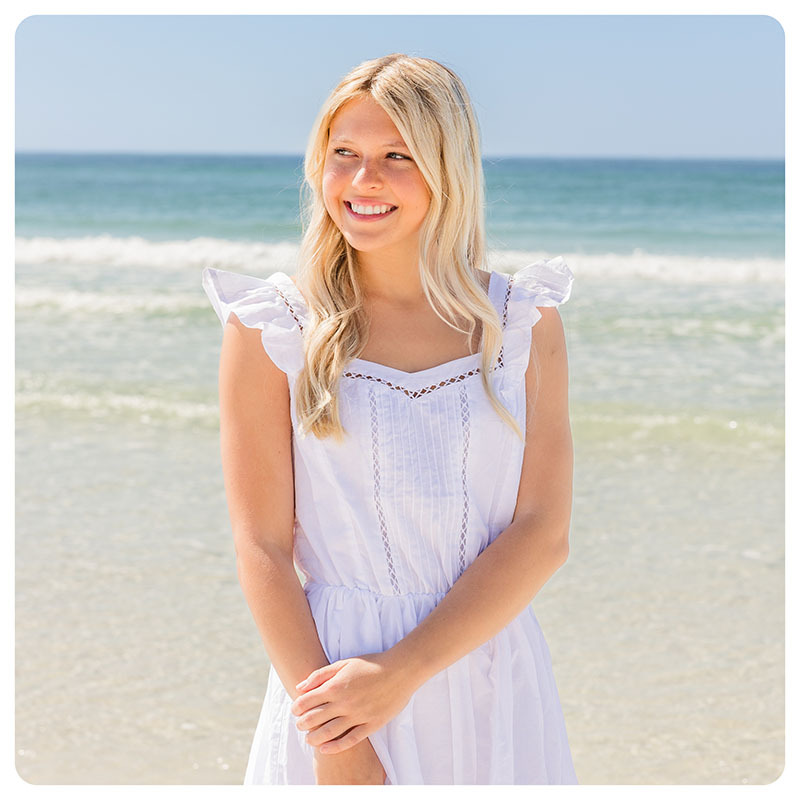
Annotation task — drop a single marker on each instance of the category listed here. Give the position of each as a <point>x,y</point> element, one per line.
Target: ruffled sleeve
<point>545,283</point>
<point>267,304</point>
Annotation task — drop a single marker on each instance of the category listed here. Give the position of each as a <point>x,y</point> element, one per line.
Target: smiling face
<point>367,165</point>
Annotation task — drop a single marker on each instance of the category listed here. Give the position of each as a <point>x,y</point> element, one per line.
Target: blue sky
<point>542,85</point>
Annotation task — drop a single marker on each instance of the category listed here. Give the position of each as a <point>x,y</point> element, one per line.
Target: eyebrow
<point>347,141</point>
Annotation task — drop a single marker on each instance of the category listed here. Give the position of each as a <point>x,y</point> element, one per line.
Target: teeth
<point>369,209</point>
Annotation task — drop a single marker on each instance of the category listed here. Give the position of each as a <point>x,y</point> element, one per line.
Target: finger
<point>312,699</point>
<point>316,716</point>
<point>318,676</point>
<point>352,737</point>
<point>328,731</point>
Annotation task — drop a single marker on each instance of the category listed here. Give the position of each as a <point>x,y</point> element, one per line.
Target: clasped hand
<point>353,696</point>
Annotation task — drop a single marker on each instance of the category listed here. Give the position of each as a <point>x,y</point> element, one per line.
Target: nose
<point>368,174</point>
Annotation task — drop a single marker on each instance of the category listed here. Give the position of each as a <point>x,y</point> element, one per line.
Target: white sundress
<point>385,523</point>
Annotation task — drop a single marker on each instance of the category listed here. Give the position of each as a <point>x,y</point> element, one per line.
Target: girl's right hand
<point>357,765</point>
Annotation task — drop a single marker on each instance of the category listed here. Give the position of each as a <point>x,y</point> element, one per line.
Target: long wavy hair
<point>430,107</point>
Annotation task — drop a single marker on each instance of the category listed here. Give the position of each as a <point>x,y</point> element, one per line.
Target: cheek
<point>423,201</point>
<point>330,191</point>
<point>418,190</point>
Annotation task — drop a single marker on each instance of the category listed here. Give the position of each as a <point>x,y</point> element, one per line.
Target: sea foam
<point>261,258</point>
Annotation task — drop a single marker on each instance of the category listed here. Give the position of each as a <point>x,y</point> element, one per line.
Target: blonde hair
<point>430,107</point>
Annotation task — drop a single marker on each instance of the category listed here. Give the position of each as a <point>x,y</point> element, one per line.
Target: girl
<point>394,424</point>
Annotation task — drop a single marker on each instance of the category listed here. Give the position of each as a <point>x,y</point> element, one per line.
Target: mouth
<point>368,217</point>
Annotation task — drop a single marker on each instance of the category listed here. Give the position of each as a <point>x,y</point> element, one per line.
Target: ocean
<point>137,658</point>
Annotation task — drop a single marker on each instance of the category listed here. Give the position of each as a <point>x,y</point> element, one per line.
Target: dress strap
<point>272,305</point>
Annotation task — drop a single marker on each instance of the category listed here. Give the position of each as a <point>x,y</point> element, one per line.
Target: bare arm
<point>507,575</point>
<point>256,444</point>
<point>255,438</point>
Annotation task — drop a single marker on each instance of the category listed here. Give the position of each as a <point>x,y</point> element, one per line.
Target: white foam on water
<point>71,301</point>
<point>136,251</point>
<point>261,258</point>
<point>654,267</point>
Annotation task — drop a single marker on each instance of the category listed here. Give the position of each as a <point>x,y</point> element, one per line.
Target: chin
<point>365,242</point>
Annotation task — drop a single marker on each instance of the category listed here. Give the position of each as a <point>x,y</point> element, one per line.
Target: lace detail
<point>415,393</point>
<point>290,307</point>
<point>462,545</point>
<point>500,362</point>
<point>373,409</point>
<point>506,299</point>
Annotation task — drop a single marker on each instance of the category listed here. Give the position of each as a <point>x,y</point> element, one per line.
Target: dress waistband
<point>312,583</point>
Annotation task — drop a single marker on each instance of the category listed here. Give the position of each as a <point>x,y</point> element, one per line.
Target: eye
<point>400,155</point>
<point>340,150</point>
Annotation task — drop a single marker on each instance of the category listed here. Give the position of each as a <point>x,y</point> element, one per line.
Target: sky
<point>653,86</point>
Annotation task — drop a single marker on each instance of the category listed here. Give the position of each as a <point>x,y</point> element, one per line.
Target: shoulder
<point>245,362</point>
<point>547,373</point>
<point>547,333</point>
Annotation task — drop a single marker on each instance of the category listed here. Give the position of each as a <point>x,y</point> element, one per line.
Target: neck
<point>390,277</point>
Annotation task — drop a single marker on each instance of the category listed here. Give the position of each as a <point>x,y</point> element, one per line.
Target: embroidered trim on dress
<point>462,545</point>
<point>414,393</point>
<point>377,491</point>
<point>290,307</point>
<point>500,362</point>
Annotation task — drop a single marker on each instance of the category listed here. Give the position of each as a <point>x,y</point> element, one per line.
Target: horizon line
<point>300,156</point>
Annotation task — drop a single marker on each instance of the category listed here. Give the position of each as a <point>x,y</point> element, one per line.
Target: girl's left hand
<point>353,696</point>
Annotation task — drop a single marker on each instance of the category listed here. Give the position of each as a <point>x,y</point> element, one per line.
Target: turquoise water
<point>671,259</point>
<point>695,208</point>
<point>670,607</point>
